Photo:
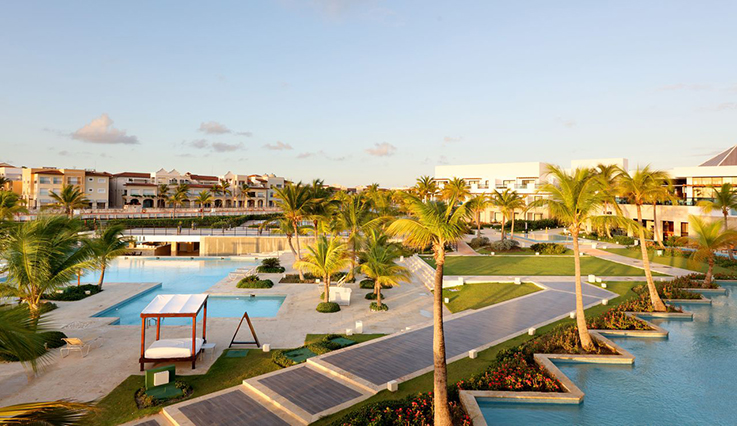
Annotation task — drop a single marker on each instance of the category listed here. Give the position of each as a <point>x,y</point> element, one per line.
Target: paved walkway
<point>335,381</point>
<point>637,263</point>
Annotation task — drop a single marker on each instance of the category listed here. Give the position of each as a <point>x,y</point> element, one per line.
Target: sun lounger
<point>78,345</point>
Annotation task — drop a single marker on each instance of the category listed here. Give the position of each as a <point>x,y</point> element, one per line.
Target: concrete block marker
<point>392,386</point>
<point>598,280</point>
<point>531,331</point>
<point>359,327</point>
<point>518,281</point>
<point>603,285</point>
<point>572,315</point>
<point>266,347</point>
<point>604,302</point>
<point>473,353</point>
<point>447,300</point>
<point>349,332</point>
<point>592,278</point>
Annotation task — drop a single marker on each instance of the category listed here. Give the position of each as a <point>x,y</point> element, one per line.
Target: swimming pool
<point>547,237</point>
<point>182,276</point>
<point>688,378</point>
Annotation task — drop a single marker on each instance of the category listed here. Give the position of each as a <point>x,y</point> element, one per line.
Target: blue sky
<point>368,91</point>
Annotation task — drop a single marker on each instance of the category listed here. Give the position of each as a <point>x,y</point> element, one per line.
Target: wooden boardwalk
<point>329,383</point>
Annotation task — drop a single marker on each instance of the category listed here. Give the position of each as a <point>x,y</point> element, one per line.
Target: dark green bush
<point>73,293</point>
<point>372,296</point>
<point>185,222</point>
<point>328,307</point>
<point>548,248</point>
<point>253,281</point>
<point>375,307</point>
<point>367,284</point>
<point>532,225</point>
<point>504,245</point>
<point>270,265</point>
<point>479,242</point>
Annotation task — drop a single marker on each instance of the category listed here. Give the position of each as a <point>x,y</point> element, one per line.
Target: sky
<point>363,91</point>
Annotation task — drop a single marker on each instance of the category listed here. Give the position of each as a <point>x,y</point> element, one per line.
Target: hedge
<point>186,222</point>
<point>253,281</point>
<point>328,307</point>
<point>72,293</point>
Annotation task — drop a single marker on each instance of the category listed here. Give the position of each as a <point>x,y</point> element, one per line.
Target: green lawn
<point>521,252</point>
<point>676,261</point>
<point>466,367</point>
<point>533,265</point>
<point>119,406</point>
<point>475,296</point>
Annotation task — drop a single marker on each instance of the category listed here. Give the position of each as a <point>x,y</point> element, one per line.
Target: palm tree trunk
<point>709,272</point>
<point>512,230</point>
<point>102,277</point>
<point>607,228</point>
<point>377,290</point>
<point>353,260</point>
<point>658,304</point>
<point>327,288</point>
<point>298,253</point>
<point>440,377</point>
<point>583,331</point>
<point>730,249</point>
<point>656,234</point>
<point>504,222</point>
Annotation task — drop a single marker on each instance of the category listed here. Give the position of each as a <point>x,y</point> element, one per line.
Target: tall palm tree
<point>435,224</point>
<point>508,202</point>
<point>42,255</point>
<point>52,413</point>
<point>324,259</point>
<point>608,175</point>
<point>109,244</point>
<point>456,189</point>
<point>10,205</point>
<point>426,188</point>
<point>708,237</point>
<point>69,198</point>
<point>204,197</point>
<point>378,262</point>
<point>323,206</point>
<point>662,192</point>
<point>477,205</point>
<point>639,188</point>
<point>4,182</point>
<point>573,199</point>
<point>226,190</point>
<point>356,217</point>
<point>162,192</point>
<point>243,190</point>
<point>295,201</point>
<point>724,200</point>
<point>177,199</point>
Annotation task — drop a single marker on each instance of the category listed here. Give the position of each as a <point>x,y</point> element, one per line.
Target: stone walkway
<point>637,263</point>
<point>332,382</point>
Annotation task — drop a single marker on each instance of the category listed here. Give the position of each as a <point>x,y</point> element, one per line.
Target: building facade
<point>39,183</point>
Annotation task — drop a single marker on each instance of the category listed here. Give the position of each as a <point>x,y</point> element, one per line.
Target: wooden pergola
<point>174,306</point>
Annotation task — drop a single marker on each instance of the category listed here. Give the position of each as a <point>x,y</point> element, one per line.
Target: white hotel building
<point>692,184</point>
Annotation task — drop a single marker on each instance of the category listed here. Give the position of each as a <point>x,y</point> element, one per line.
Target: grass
<point>521,252</point>
<point>533,265</point>
<point>466,367</point>
<point>475,296</point>
<point>119,406</point>
<point>676,261</point>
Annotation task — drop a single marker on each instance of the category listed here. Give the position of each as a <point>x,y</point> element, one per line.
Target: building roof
<point>96,173</point>
<point>140,184</point>
<point>7,165</point>
<point>133,174</point>
<point>203,177</point>
<point>726,158</point>
<point>46,172</point>
<point>175,304</point>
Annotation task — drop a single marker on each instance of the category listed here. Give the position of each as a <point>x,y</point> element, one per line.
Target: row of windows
<point>99,190</point>
<point>714,181</point>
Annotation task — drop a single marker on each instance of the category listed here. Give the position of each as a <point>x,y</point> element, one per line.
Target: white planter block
<point>593,246</point>
<point>359,327</point>
<point>603,285</point>
<point>266,347</point>
<point>604,302</point>
<point>87,292</point>
<point>537,253</point>
<point>492,253</point>
<point>659,252</point>
<point>473,353</point>
<point>598,280</point>
<point>392,386</point>
<point>349,332</point>
<point>572,315</point>
<point>447,300</point>
<point>518,281</point>
<point>531,331</point>
<point>592,278</point>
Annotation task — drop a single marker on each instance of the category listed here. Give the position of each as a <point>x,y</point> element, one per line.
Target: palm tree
<point>507,202</point>
<point>608,175</point>
<point>226,190</point>
<point>456,189</point>
<point>42,255</point>
<point>378,263</point>
<point>295,202</point>
<point>708,237</point>
<point>435,224</point>
<point>204,197</point>
<point>243,190</point>
<point>573,199</point>
<point>109,244</point>
<point>61,413</point>
<point>725,199</point>
<point>662,192</point>
<point>356,217</point>
<point>10,205</point>
<point>639,188</point>
<point>323,259</point>
<point>69,198</point>
<point>477,205</point>
<point>181,192</point>
<point>323,207</point>
<point>284,226</point>
<point>4,182</point>
<point>162,192</point>
<point>426,188</point>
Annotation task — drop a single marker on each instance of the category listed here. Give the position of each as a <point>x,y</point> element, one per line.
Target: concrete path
<point>637,263</point>
<point>464,250</point>
<point>332,382</point>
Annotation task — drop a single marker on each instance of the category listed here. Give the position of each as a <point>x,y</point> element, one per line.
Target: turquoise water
<point>182,276</point>
<point>689,378</point>
<point>547,237</point>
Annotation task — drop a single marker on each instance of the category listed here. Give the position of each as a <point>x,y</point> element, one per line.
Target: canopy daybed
<point>174,350</point>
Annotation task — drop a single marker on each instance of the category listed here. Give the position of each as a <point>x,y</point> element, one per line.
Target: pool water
<point>547,237</point>
<point>182,276</point>
<point>688,378</point>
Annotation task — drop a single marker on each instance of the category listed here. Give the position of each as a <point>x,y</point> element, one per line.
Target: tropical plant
<point>455,189</point>
<point>4,182</point>
<point>708,237</point>
<point>243,190</point>
<point>52,413</point>
<point>356,217</point>
<point>10,205</point>
<point>323,259</point>
<point>180,195</point>
<point>435,224</point>
<point>162,193</point>
<point>109,244</point>
<point>426,188</point>
<point>663,191</point>
<point>41,256</point>
<point>295,202</point>
<point>639,188</point>
<point>508,201</point>
<point>573,199</point>
<point>724,200</point>
<point>378,263</point>
<point>204,197</point>
<point>607,174</point>
<point>284,226</point>
<point>477,205</point>
<point>322,208</point>
<point>68,199</point>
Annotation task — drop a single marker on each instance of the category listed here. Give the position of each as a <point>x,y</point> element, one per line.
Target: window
<point>684,229</point>
<point>44,180</point>
<point>72,181</point>
<point>89,189</point>
<point>90,179</point>
<point>57,181</point>
<point>102,191</point>
<point>100,180</point>
<point>43,191</point>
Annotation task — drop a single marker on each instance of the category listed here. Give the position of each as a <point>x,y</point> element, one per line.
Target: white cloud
<point>101,130</point>
<point>198,143</point>
<point>214,128</point>
<point>304,155</point>
<point>278,146</point>
<point>322,154</point>
<point>451,139</point>
<point>383,149</point>
<point>226,147</point>
<point>567,122</point>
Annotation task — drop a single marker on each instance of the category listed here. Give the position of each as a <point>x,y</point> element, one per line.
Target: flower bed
<point>412,411</point>
<point>143,400</point>
<point>667,290</point>
<point>512,373</point>
<point>616,320</point>
<point>642,304</point>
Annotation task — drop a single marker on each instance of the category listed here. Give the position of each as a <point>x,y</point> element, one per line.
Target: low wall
<point>235,246</point>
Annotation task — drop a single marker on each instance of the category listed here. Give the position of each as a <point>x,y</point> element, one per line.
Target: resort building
<point>38,183</point>
<point>97,189</point>
<point>14,175</point>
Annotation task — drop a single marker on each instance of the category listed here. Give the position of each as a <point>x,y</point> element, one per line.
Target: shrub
<point>624,240</point>
<point>309,278</point>
<point>479,242</point>
<point>372,296</point>
<point>548,248</point>
<point>616,320</point>
<point>72,293</point>
<point>413,410</point>
<point>270,265</point>
<point>144,400</point>
<point>642,304</point>
<point>185,222</point>
<point>328,307</point>
<point>513,373</point>
<point>377,308</point>
<point>504,245</point>
<point>253,281</point>
<point>367,284</point>
<point>532,225</point>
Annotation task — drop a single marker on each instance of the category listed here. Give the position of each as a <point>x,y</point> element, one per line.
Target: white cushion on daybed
<point>173,348</point>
